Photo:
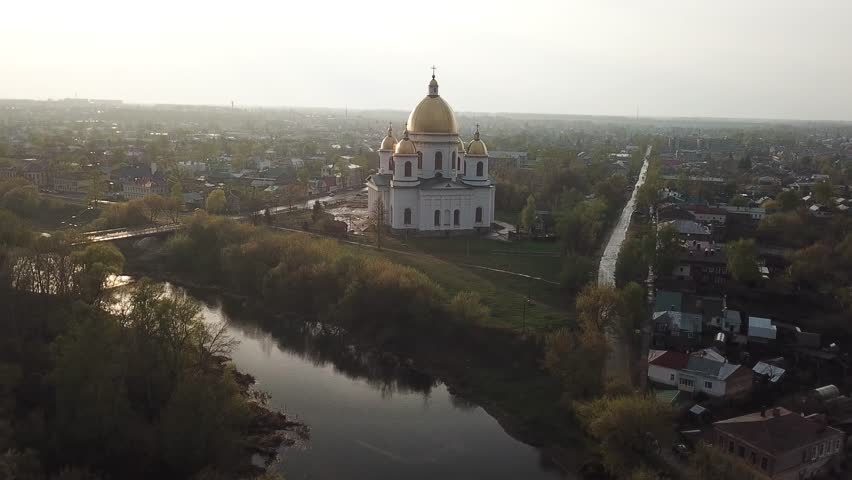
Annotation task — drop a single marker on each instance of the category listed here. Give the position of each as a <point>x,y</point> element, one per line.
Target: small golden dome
<point>390,141</point>
<point>477,146</point>
<point>405,146</point>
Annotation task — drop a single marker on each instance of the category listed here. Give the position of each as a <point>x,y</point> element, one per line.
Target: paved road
<point>606,270</point>
<point>618,363</point>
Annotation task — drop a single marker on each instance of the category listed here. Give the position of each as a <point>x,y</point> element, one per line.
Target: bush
<point>467,307</point>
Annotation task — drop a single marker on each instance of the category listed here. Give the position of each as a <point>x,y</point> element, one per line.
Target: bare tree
<point>377,219</point>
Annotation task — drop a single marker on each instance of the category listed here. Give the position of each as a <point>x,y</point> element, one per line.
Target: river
<point>368,418</point>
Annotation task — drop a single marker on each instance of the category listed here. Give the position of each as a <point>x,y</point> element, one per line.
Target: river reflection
<point>371,417</point>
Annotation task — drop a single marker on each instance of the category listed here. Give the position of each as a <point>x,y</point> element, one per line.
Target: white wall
<point>662,375</point>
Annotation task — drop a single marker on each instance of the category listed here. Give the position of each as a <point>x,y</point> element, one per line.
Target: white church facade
<point>428,181</point>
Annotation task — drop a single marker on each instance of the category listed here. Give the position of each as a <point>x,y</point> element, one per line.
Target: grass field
<point>448,260</point>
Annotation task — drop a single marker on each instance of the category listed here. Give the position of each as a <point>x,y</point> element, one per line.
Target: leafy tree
<point>812,266</point>
<point>745,162</point>
<point>94,265</point>
<point>577,271</point>
<point>599,308</point>
<point>203,423</point>
<point>155,204</point>
<point>95,421</point>
<point>24,200</point>
<point>742,260</point>
<point>628,428</point>
<point>788,200</point>
<point>577,358</point>
<point>669,249</point>
<point>632,263</point>
<point>740,201</point>
<point>528,214</point>
<point>635,302</point>
<point>823,191</point>
<point>318,211</point>
<point>216,202</point>
<point>708,463</point>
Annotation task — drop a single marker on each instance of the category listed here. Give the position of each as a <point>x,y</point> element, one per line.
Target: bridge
<point>96,236</point>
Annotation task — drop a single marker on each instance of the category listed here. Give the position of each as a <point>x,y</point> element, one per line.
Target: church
<point>428,181</point>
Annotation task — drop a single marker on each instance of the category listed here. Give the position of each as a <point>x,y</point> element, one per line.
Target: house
<point>779,443</point>
<point>678,330</point>
<point>139,180</point>
<point>703,262</point>
<point>819,211</point>
<point>72,183</point>
<point>761,330</point>
<point>689,229</point>
<point>705,371</point>
<point>707,214</point>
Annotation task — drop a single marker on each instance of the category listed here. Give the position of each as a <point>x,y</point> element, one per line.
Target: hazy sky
<point>722,58</point>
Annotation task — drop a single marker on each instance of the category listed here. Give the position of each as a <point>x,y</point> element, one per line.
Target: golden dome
<point>477,146</point>
<point>390,141</point>
<point>461,145</point>
<point>405,146</point>
<point>433,114</point>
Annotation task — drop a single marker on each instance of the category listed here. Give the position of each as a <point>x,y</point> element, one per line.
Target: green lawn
<point>445,260</point>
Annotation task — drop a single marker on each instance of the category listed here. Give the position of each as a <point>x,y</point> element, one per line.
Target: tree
<point>318,211</point>
<point>216,202</point>
<point>628,427</point>
<point>577,358</point>
<point>669,248</point>
<point>377,219</point>
<point>742,260</point>
<point>155,204</point>
<point>528,215</point>
<point>24,200</point>
<point>740,201</point>
<point>745,162</point>
<point>599,308</point>
<point>94,265</point>
<point>632,263</point>
<point>635,302</point>
<point>788,200</point>
<point>97,189</point>
<point>708,463</point>
<point>823,191</point>
<point>577,271</point>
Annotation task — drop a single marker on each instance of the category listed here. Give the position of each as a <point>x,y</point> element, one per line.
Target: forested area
<point>94,385</point>
<point>304,274</point>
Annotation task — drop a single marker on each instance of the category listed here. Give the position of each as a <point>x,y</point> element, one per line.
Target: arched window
<point>392,164</point>
<point>446,217</point>
<point>420,160</point>
<point>407,169</point>
<point>439,161</point>
<point>437,218</point>
<point>478,214</point>
<point>479,168</point>
<point>453,156</point>
<point>456,218</point>
<point>406,216</point>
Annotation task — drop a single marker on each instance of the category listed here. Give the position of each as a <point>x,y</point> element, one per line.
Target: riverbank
<point>495,369</point>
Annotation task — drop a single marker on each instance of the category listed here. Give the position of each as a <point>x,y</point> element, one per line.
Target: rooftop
<point>776,432</point>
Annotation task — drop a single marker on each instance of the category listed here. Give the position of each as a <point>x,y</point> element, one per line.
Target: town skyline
<point>770,61</point>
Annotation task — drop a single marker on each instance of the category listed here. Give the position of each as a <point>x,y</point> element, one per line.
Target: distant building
<point>515,159</point>
<point>779,443</point>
